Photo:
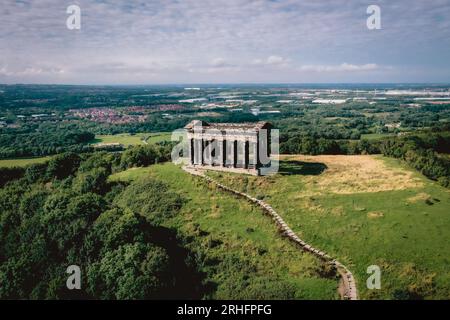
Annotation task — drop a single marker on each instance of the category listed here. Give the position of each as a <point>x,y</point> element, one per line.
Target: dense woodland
<point>44,140</point>
<point>66,212</point>
<point>427,153</point>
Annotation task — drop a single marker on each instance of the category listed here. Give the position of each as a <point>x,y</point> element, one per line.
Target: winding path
<point>348,281</point>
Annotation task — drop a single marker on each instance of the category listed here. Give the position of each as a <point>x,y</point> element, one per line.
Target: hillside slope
<point>238,247</point>
<point>365,210</point>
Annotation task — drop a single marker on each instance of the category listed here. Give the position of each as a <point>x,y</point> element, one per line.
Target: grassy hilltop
<point>240,249</point>
<point>363,210</point>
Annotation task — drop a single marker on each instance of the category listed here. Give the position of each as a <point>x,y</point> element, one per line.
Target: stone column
<point>201,145</point>
<point>212,151</point>
<point>209,155</point>
<point>235,158</point>
<point>196,154</point>
<point>246,154</point>
<point>224,152</point>
<point>191,151</point>
<point>204,156</point>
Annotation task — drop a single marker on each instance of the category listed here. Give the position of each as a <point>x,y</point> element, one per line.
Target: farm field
<point>365,210</point>
<point>375,136</point>
<point>241,250</point>
<point>132,139</point>
<point>159,137</point>
<point>22,162</point>
<point>124,138</point>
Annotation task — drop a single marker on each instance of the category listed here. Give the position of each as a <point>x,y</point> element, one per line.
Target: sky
<point>224,41</point>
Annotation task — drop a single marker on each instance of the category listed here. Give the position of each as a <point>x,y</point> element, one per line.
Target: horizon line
<point>224,83</point>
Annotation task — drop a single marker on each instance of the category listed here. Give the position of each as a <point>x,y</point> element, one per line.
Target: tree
<point>35,172</point>
<point>68,217</point>
<point>150,198</point>
<point>97,160</point>
<point>139,156</point>
<point>63,165</point>
<point>92,181</point>
<point>132,271</point>
<point>112,229</point>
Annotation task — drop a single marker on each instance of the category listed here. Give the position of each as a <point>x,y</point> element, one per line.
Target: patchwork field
<point>365,210</point>
<point>241,251</point>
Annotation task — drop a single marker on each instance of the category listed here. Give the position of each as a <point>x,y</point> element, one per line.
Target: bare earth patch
<point>354,174</point>
<point>375,214</point>
<point>419,197</point>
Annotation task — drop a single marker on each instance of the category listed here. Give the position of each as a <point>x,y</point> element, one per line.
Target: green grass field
<point>128,139</point>
<point>159,137</point>
<point>123,138</point>
<point>242,251</point>
<point>22,162</point>
<point>376,136</point>
<point>365,210</point>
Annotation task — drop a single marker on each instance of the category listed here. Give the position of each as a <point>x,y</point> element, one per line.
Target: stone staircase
<point>348,281</point>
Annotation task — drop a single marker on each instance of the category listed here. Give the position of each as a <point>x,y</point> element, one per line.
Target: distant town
<point>211,102</point>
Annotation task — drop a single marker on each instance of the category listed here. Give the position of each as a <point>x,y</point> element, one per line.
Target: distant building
<point>393,125</point>
<point>255,111</point>
<point>192,100</point>
<point>330,101</point>
<point>284,101</point>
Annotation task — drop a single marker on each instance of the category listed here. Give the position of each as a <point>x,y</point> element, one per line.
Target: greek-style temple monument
<point>233,147</point>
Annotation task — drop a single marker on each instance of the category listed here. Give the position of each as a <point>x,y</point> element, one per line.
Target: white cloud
<point>276,60</point>
<point>4,72</point>
<point>272,60</point>
<point>219,62</point>
<point>344,67</point>
<point>30,71</point>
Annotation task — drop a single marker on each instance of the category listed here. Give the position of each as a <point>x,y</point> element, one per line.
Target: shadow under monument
<point>295,167</point>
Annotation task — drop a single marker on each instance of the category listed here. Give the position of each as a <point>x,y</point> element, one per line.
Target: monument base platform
<point>253,172</point>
